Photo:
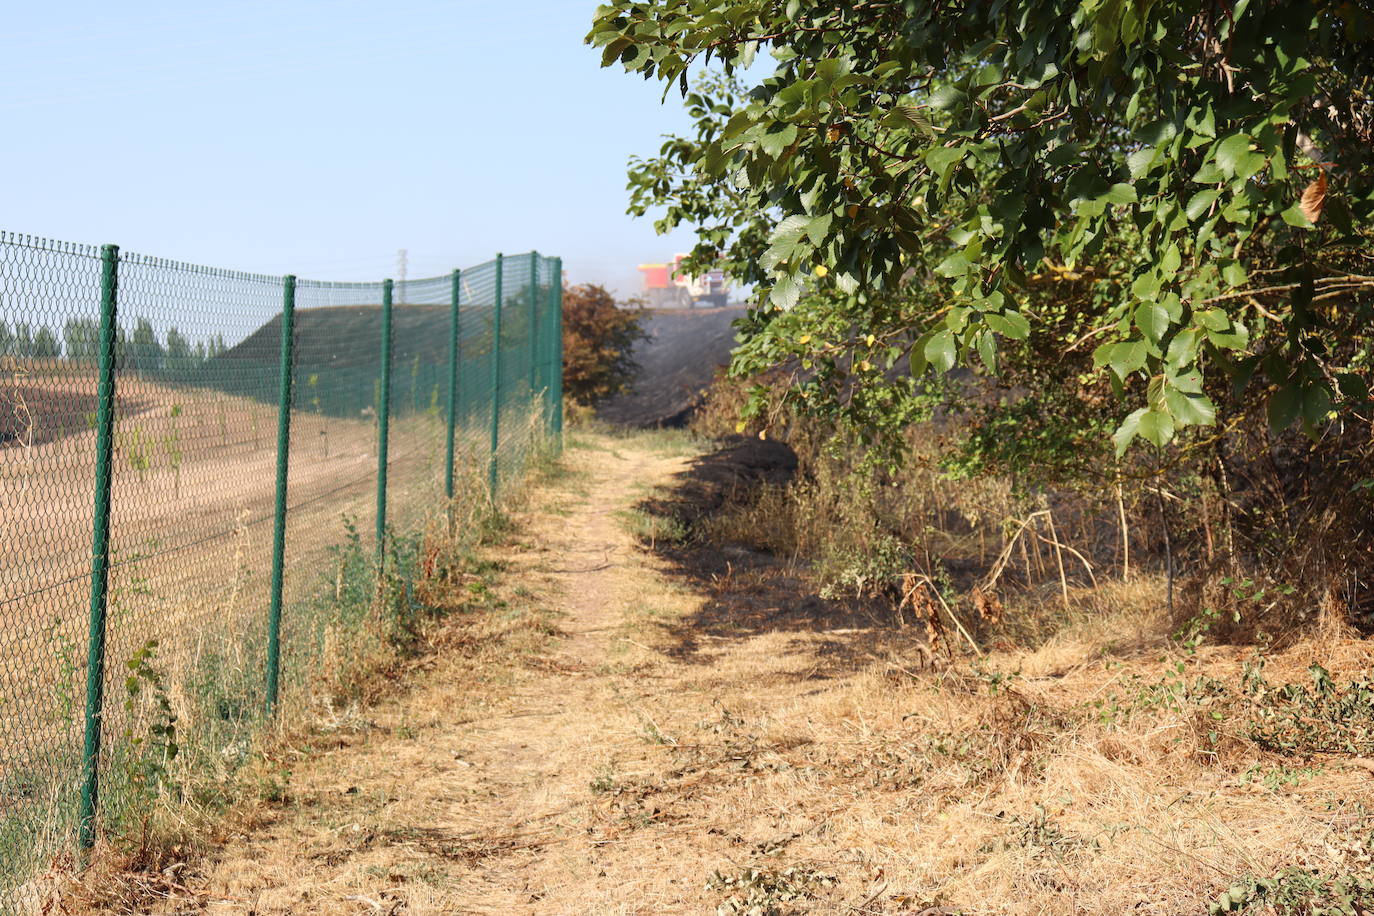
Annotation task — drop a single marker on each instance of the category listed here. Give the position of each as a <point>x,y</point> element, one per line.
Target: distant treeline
<point>140,349</point>
<point>336,371</point>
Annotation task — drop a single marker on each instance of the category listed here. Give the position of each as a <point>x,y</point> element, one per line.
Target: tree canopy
<point>598,343</point>
<point>1180,192</point>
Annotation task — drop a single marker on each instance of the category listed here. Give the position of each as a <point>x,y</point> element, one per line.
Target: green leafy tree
<point>144,349</point>
<point>6,340</point>
<point>82,336</point>
<point>45,344</point>
<point>909,171</point>
<point>23,340</point>
<point>178,351</point>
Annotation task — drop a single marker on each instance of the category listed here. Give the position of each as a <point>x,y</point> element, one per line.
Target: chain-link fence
<point>197,466</point>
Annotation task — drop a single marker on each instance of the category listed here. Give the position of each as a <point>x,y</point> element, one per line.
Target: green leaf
<point>1249,164</point>
<point>1283,407</point>
<point>1230,151</point>
<point>1208,174</point>
<point>1182,349</point>
<point>1157,427</point>
<point>1205,125</point>
<point>786,292</point>
<point>612,51</point>
<point>1127,357</point>
<point>987,351</point>
<point>1189,382</point>
<point>782,244</point>
<point>919,363</point>
<point>941,351</point>
<point>1200,203</point>
<point>778,138</point>
<point>1091,209</point>
<point>1146,286</point>
<point>1119,194</point>
<point>1128,430</point>
<point>1141,162</point>
<point>1234,275</point>
<point>1316,404</point>
<point>1170,261</point>
<point>1294,216</point>
<point>956,265</point>
<point>1352,386</point>
<point>1102,354</point>
<point>1190,409</point>
<point>1152,319</point>
<point>1009,324</point>
<point>818,228</point>
<point>947,97</point>
<point>1157,133</point>
<point>912,116</point>
<point>1213,319</point>
<point>941,159</point>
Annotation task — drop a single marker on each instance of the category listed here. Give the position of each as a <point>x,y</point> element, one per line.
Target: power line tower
<point>401,265</point>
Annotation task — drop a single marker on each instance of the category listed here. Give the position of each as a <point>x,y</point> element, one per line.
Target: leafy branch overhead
<point>1208,164</point>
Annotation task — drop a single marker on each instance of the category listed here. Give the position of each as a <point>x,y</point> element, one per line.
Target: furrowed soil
<point>690,729</point>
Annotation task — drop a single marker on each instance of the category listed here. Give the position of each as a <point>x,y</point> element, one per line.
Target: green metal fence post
<point>493,470</point>
<point>288,340</point>
<point>455,296</point>
<point>557,369</point>
<point>100,545</point>
<point>383,418</point>
<point>534,323</point>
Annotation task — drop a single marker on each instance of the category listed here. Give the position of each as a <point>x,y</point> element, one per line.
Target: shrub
<point>598,339</point>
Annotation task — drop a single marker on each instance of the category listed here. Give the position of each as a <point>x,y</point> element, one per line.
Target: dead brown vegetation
<point>670,732</point>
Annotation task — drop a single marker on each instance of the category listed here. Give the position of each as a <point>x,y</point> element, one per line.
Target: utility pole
<point>401,275</point>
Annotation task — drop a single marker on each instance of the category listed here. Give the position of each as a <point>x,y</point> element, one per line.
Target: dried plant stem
<point>1025,554</point>
<point>1035,548</point>
<point>922,579</point>
<point>1125,532</point>
<point>1060,545</point>
<point>1058,559</point>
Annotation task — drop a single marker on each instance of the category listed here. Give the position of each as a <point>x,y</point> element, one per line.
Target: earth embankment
<point>676,361</point>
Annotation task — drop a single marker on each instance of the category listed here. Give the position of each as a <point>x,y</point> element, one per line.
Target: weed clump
<point>768,892</point>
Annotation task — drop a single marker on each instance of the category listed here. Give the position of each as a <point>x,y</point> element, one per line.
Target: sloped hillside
<point>679,358</point>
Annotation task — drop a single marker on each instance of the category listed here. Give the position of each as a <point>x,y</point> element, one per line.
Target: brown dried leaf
<point>987,607</point>
<point>923,609</point>
<point>1314,198</point>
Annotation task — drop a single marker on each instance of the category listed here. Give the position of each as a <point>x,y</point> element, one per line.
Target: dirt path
<point>706,735</point>
<point>505,793</point>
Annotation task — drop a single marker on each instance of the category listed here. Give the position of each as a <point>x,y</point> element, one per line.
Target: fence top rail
<point>38,243</point>
<point>145,260</point>
<point>57,246</point>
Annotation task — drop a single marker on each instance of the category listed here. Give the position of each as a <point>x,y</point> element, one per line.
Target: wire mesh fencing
<point>196,465</point>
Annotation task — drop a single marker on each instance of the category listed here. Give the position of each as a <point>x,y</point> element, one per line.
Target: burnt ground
<point>749,592</point>
<point>677,361</point>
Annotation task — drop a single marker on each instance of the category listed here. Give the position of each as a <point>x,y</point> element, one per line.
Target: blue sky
<point>320,136</point>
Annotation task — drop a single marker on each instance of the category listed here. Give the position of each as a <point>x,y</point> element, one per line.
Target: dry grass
<point>584,746</point>
<point>436,598</point>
